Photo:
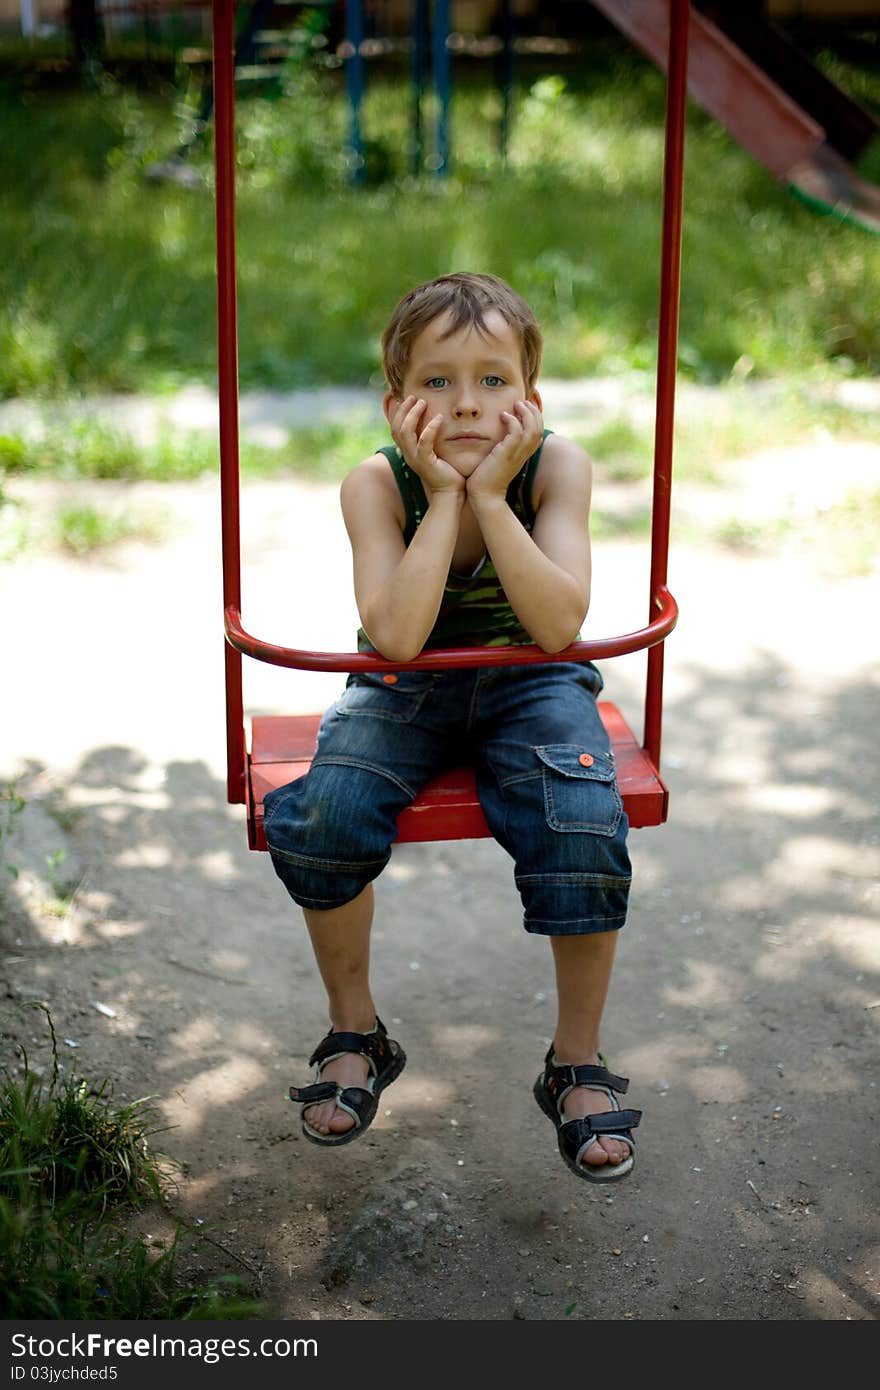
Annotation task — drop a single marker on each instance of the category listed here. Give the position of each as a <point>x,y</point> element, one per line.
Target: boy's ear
<point>389,400</point>
<point>535,397</point>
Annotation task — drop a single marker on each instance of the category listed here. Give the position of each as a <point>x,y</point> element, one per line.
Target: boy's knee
<point>327,843</point>
<point>320,887</point>
<point>575,881</point>
<point>570,904</point>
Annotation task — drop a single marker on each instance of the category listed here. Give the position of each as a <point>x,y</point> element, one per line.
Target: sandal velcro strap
<point>311,1095</point>
<point>586,1075</point>
<point>373,1046</point>
<point>612,1122</point>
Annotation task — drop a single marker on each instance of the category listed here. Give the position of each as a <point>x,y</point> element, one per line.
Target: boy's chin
<point>467,463</point>
<point>466,467</point>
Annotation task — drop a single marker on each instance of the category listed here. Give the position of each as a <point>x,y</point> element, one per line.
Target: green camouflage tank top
<point>474,611</point>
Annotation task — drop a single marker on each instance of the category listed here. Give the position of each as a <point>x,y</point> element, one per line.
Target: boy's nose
<point>466,405</point>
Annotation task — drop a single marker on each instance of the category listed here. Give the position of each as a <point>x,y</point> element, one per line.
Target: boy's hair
<point>467,298</point>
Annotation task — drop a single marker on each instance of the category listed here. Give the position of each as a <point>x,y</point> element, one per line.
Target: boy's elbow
<point>554,645</point>
<point>557,639</point>
<point>564,632</point>
<point>399,655</point>
<point>392,648</point>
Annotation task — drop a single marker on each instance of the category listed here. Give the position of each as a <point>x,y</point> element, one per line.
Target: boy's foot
<point>353,1070</point>
<point>592,1130</point>
<point>327,1118</point>
<point>582,1101</point>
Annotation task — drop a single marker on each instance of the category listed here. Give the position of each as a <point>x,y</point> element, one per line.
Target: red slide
<point>758,113</point>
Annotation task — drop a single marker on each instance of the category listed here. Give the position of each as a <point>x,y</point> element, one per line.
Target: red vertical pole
<point>667,352</point>
<point>227,364</point>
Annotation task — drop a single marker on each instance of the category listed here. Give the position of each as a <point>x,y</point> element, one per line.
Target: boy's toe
<point>603,1151</point>
<point>313,1117</point>
<point>327,1119</point>
<point>340,1121</point>
<point>596,1155</point>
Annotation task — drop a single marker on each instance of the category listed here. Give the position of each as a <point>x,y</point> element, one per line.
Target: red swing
<point>282,745</point>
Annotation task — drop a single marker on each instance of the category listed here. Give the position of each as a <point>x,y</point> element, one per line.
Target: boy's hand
<point>415,439</point>
<point>525,430</point>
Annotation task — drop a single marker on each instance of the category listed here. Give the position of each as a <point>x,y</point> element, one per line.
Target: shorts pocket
<point>580,790</point>
<point>397,697</point>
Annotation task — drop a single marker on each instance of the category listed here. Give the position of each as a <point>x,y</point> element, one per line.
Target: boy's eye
<point>493,380</point>
<point>436,383</point>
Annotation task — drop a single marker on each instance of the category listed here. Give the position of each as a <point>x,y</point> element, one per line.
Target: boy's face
<point>468,378</point>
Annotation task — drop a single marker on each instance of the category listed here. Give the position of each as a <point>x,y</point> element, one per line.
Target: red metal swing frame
<point>282,746</point>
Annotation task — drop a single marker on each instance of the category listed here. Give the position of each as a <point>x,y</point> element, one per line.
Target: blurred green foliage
<point>107,277</point>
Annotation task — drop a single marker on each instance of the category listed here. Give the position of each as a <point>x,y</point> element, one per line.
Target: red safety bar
<point>282,746</point>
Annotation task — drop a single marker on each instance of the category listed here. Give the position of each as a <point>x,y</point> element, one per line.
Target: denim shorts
<point>545,778</point>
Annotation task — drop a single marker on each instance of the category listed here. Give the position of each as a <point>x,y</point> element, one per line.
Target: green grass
<point>841,539</point>
<point>735,425</point>
<point>73,1165</point>
<point>862,83</point>
<point>107,279</point>
<point>11,806</point>
<point>84,528</point>
<point>90,449</point>
<point>623,452</point>
<point>81,527</point>
<point>70,1140</point>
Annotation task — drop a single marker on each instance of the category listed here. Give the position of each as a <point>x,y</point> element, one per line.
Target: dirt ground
<point>745,1003</point>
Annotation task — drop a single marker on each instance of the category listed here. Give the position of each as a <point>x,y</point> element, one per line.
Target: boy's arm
<point>398,588</point>
<point>545,575</point>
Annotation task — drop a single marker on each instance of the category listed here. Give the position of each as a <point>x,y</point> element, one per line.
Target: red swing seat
<point>447,808</point>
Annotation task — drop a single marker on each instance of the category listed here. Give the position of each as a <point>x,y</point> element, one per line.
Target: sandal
<point>576,1136</point>
<point>387,1060</point>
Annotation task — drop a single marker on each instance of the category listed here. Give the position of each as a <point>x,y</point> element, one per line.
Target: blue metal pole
<point>419,71</point>
<point>354,84</point>
<point>505,75</point>
<point>442,83</point>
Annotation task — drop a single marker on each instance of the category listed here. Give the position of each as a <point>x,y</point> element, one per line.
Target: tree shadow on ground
<point>741,1006</point>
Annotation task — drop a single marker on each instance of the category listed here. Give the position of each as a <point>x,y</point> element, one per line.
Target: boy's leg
<point>330,834</point>
<point>583,974</point>
<point>548,791</point>
<point>341,942</point>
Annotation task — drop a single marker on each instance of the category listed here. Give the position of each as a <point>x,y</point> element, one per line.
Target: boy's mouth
<point>467,439</point>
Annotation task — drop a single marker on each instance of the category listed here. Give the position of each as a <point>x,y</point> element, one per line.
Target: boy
<point>471,530</point>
